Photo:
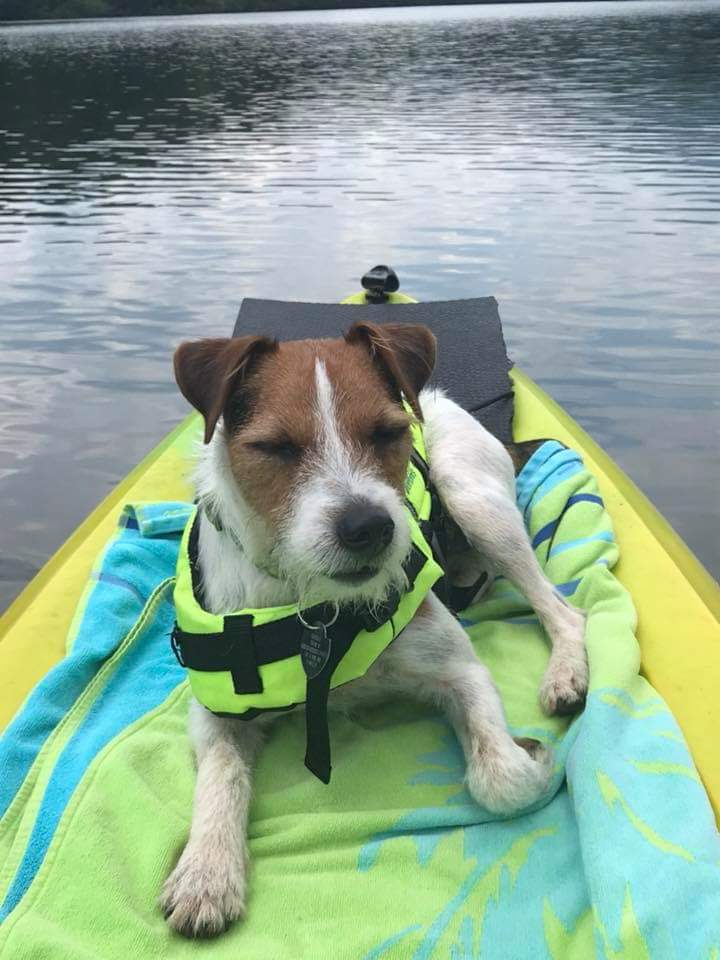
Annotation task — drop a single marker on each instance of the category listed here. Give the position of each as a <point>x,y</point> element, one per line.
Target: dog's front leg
<point>493,525</point>
<point>434,659</point>
<point>473,475</point>
<point>206,890</point>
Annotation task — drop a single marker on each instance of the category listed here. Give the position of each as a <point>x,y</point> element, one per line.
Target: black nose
<point>365,528</point>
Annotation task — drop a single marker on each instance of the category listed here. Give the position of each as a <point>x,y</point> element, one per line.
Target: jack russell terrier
<point>301,490</point>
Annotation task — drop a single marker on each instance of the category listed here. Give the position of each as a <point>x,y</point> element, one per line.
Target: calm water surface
<point>563,157</point>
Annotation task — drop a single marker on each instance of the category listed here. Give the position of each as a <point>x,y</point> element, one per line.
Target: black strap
<point>421,466</point>
<point>243,659</point>
<point>267,643</point>
<point>317,732</point>
<point>433,529</point>
<point>372,619</point>
<point>460,598</point>
<point>233,651</point>
<point>195,572</point>
<point>435,532</point>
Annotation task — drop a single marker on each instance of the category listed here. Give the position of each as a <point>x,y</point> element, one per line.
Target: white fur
<point>206,890</point>
<point>232,578</point>
<point>432,659</point>
<point>307,551</point>
<point>474,477</point>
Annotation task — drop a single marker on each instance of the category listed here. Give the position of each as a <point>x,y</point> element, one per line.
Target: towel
<point>393,859</point>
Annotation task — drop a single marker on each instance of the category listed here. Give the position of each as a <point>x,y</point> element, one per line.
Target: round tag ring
<point>318,626</point>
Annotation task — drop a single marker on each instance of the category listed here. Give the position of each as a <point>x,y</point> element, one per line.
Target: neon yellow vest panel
<point>250,660</point>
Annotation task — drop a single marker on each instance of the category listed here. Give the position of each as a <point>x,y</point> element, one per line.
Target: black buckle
<point>175,644</point>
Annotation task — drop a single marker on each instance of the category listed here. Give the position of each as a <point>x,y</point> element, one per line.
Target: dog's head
<point>317,443</point>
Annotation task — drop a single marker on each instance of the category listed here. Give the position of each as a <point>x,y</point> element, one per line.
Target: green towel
<point>392,859</point>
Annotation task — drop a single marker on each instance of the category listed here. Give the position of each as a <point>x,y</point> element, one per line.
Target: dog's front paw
<point>565,683</point>
<point>564,686</point>
<point>506,779</point>
<point>203,894</point>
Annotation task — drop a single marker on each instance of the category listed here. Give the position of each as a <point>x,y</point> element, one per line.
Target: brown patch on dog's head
<point>268,448</point>
<point>284,435</point>
<point>212,373</point>
<point>266,393</point>
<point>405,352</point>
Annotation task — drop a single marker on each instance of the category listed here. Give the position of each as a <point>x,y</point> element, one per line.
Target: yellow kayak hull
<point>677,601</point>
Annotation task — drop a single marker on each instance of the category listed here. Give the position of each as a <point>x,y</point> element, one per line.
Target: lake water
<point>563,157</point>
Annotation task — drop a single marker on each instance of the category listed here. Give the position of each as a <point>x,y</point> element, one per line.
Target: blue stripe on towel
<point>563,470</point>
<point>605,536</point>
<point>584,498</point>
<point>145,676</point>
<point>544,533</point>
<point>567,589</point>
<point>535,469</point>
<point>103,624</point>
<point>54,695</point>
<point>550,465</point>
<point>46,706</point>
<point>120,582</point>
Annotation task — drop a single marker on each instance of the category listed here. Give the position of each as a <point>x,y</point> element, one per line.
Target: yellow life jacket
<point>274,658</point>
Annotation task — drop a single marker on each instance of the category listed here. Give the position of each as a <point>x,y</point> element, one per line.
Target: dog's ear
<point>404,351</point>
<point>209,372</point>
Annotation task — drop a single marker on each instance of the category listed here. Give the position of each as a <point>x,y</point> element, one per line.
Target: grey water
<point>563,157</point>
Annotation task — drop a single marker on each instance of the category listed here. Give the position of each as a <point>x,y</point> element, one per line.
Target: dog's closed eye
<point>279,448</point>
<point>385,434</point>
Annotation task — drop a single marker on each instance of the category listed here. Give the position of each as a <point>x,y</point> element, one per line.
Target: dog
<point>305,441</point>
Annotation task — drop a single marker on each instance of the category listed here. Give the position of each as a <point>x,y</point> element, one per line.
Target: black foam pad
<point>472,365</point>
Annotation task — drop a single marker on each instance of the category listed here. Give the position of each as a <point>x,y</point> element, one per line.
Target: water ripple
<point>565,157</point>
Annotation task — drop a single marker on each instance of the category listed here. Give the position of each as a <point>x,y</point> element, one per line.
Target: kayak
<point>677,601</point>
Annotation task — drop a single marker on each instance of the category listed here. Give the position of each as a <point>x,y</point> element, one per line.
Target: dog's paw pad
<point>566,708</point>
<point>564,688</point>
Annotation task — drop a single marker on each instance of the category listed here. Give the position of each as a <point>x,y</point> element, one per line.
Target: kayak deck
<point>678,603</point>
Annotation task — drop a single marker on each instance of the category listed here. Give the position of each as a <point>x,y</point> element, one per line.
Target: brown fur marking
<point>283,388</point>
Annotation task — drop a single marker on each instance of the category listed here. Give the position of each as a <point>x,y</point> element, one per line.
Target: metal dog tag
<point>315,644</point>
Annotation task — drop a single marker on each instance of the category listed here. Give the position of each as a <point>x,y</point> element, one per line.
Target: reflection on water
<point>564,157</point>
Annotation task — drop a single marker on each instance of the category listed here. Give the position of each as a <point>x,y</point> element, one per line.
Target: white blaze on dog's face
<point>318,443</point>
